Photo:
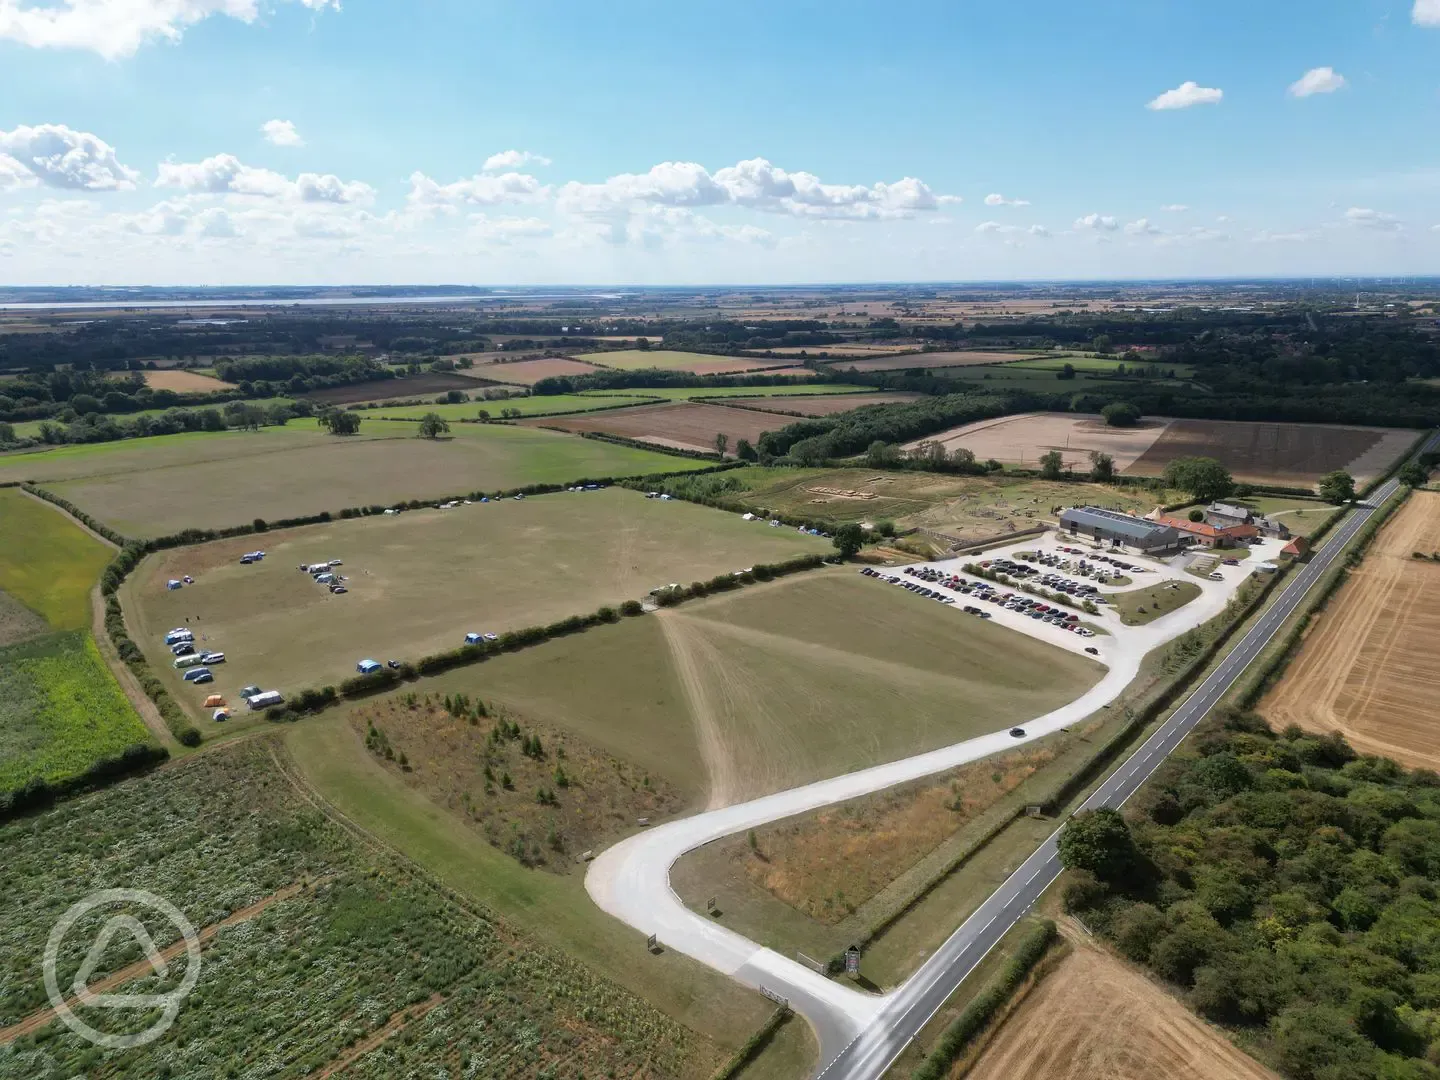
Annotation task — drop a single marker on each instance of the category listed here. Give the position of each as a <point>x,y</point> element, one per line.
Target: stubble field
<point>419,581</point>
<point>1368,667</point>
<point>163,487</point>
<point>687,426</point>
<point>529,372</point>
<point>671,360</point>
<point>185,382</point>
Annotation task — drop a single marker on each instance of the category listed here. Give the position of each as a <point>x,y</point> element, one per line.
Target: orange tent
<point>214,701</point>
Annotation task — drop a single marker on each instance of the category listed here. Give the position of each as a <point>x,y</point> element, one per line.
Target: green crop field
<point>60,711</point>
<point>302,472</point>
<point>319,955</point>
<point>781,684</point>
<point>47,562</point>
<point>1098,365</point>
<point>552,405</point>
<point>419,581</point>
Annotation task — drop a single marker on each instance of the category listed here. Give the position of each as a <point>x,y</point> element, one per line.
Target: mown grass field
<point>345,958</point>
<point>781,684</point>
<point>61,711</point>
<point>419,581</point>
<point>297,471</point>
<point>47,562</point>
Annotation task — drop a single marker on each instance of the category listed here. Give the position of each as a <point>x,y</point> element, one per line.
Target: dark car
<point>1017,732</point>
<point>1092,650</point>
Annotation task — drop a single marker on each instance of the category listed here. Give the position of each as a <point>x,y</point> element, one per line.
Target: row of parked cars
<point>1050,614</point>
<point>1083,567</point>
<point>190,658</point>
<point>1096,556</point>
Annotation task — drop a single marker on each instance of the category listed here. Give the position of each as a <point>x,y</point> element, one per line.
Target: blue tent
<point>366,667</point>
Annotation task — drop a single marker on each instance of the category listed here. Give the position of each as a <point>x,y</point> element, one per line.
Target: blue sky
<point>498,141</point>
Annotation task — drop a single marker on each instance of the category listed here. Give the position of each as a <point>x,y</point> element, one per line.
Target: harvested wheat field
<point>906,361</point>
<point>1094,1018</point>
<point>185,382</point>
<point>1368,667</point>
<point>685,426</point>
<point>1021,440</point>
<point>529,372</point>
<point>820,405</point>
<point>1295,455</point>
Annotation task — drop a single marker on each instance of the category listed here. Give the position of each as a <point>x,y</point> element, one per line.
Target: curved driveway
<point>631,880</point>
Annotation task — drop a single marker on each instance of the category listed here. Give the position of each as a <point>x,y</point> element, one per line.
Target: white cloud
<point>509,160</point>
<point>58,157</point>
<point>1266,236</point>
<point>116,28</point>
<point>755,184</point>
<point>428,195</point>
<point>1000,200</point>
<point>1320,80</point>
<point>1038,230</point>
<point>1365,218</point>
<point>507,230</point>
<point>225,174</point>
<point>1175,208</point>
<point>281,133</point>
<point>1143,227</point>
<point>1097,223</point>
<point>1426,13</point>
<point>995,228</point>
<point>1186,95</point>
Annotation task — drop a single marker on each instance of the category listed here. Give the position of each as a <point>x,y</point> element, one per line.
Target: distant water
<point>316,301</point>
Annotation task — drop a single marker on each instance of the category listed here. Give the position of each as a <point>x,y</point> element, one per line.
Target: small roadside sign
<point>852,960</point>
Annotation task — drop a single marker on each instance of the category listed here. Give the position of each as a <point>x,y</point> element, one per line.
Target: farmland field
<point>969,507</point>
<point>386,389</point>
<point>843,350</point>
<point>185,382</point>
<point>781,684</point>
<point>347,959</point>
<point>1286,454</point>
<point>669,360</point>
<point>1094,1018</point>
<point>169,488</point>
<point>47,562</point>
<point>684,425</point>
<point>419,581</point>
<point>554,405</point>
<point>529,372</point>
<point>906,361</point>
<point>1368,667</point>
<point>826,406</point>
<point>686,393</point>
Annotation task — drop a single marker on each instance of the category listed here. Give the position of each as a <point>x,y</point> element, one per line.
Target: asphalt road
<point>910,1008</point>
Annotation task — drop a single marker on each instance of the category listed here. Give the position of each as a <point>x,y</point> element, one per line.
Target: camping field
<point>161,487</point>
<point>419,581</point>
<point>780,684</point>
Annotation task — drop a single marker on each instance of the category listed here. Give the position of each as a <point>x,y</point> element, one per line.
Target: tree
<point>7,433</point>
<point>1067,371</point>
<point>744,451</point>
<point>1204,478</point>
<point>1102,343</point>
<point>882,455</point>
<point>1098,841</point>
<point>1102,467</point>
<point>432,426</point>
<point>849,538</point>
<point>722,443</point>
<point>1413,474</point>
<point>1337,487</point>
<point>1197,515</point>
<point>339,421</point>
<point>1052,464</point>
<point>642,343</point>
<point>1121,414</point>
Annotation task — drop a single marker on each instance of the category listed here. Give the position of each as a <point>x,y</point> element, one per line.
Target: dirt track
<point>1093,1018</point>
<point>1368,667</point>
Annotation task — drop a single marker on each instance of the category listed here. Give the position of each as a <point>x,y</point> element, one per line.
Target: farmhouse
<point>1107,526</point>
<point>1225,515</point>
<point>1207,535</point>
<point>1296,549</point>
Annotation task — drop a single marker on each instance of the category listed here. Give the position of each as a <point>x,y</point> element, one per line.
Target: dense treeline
<point>1290,889</point>
<point>235,416</point>
<point>822,438</point>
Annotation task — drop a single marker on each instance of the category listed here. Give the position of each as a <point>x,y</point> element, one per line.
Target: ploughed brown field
<point>386,389</point>
<point>687,425</point>
<point>1368,667</point>
<point>1094,1018</point>
<point>1290,454</point>
<point>185,382</point>
<point>824,405</point>
<point>529,372</point>
<point>905,362</point>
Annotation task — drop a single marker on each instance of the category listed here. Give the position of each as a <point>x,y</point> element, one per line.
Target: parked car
<point>213,658</point>
<point>392,663</point>
<point>249,691</point>
<point>1092,650</point>
<point>1217,577</point>
<point>1017,732</point>
<point>184,648</point>
<point>199,674</point>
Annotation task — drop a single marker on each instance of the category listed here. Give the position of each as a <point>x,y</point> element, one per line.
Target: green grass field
<point>419,581</point>
<point>47,562</point>
<point>1301,516</point>
<point>1096,365</point>
<point>1155,600</point>
<point>60,711</point>
<point>685,393</point>
<point>782,684</point>
<point>333,947</point>
<point>232,478</point>
<point>554,405</point>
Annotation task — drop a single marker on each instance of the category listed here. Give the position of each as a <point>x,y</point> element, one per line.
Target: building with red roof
<point>1207,535</point>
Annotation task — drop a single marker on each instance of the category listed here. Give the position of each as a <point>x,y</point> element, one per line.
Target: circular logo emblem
<point>80,991</point>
